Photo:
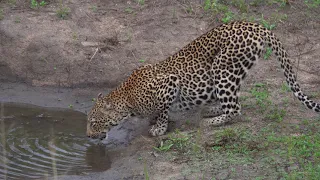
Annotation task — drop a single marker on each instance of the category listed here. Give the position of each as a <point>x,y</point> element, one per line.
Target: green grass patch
<point>176,141</point>
<point>285,87</point>
<point>284,153</point>
<point>63,11</point>
<point>34,4</point>
<point>235,140</point>
<point>129,10</point>
<point>263,104</point>
<point>233,10</point>
<point>261,94</point>
<point>267,53</point>
<point>140,2</point>
<point>312,3</point>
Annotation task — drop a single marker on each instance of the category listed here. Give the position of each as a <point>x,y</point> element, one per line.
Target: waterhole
<point>40,142</point>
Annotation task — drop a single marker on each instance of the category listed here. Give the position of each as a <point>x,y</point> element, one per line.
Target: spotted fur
<point>210,69</point>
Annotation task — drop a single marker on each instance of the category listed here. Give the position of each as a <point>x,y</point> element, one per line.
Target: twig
<point>149,140</point>
<point>97,49</point>
<point>304,53</point>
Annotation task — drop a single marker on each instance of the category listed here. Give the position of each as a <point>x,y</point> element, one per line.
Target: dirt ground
<point>54,62</point>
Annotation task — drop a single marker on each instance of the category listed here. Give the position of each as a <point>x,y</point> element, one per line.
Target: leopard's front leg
<point>161,125</point>
<point>167,90</point>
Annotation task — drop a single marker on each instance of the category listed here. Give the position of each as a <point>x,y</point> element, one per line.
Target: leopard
<point>208,73</point>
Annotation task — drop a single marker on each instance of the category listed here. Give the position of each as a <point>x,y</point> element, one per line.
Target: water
<point>41,142</point>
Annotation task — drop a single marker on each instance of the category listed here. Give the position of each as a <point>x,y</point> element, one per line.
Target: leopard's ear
<point>100,96</point>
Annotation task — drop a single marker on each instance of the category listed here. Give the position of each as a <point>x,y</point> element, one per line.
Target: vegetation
<point>35,4</point>
<point>17,20</point>
<point>141,2</point>
<point>268,53</point>
<point>129,10</point>
<point>12,2</point>
<point>94,8</point>
<point>312,3</point>
<point>294,153</point>
<point>63,11</point>
<point>142,60</point>
<point>227,11</point>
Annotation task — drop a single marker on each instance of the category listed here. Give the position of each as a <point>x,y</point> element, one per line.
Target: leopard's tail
<point>282,56</point>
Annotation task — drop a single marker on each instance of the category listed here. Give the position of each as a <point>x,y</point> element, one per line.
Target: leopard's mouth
<point>101,136</point>
<point>104,136</point>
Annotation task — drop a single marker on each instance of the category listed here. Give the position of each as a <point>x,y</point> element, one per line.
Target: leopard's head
<point>102,117</point>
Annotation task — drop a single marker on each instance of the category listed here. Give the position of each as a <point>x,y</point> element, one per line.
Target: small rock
<point>293,167</point>
<point>40,116</point>
<point>154,154</point>
<point>90,44</point>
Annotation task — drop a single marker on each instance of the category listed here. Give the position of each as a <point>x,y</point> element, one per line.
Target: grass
<point>34,4</point>
<point>228,16</point>
<point>227,11</point>
<point>276,114</point>
<point>285,87</point>
<point>301,151</point>
<point>294,153</point>
<point>17,19</point>
<point>189,10</point>
<point>164,147</point>
<point>74,36</point>
<point>129,10</point>
<point>268,53</point>
<point>140,2</point>
<point>142,60</point>
<point>267,24</point>
<point>174,16</point>
<point>12,2</point>
<point>176,141</point>
<point>241,5</point>
<point>63,11</point>
<point>146,173</point>
<point>219,9</point>
<point>93,8</point>
<point>261,94</point>
<point>264,106</point>
<point>234,140</point>
<point>312,3</point>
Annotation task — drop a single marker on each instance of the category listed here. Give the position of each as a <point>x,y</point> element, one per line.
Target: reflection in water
<point>37,142</point>
<point>97,158</point>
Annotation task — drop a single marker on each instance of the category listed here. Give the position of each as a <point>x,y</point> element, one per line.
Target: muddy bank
<point>80,99</point>
<point>99,43</point>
